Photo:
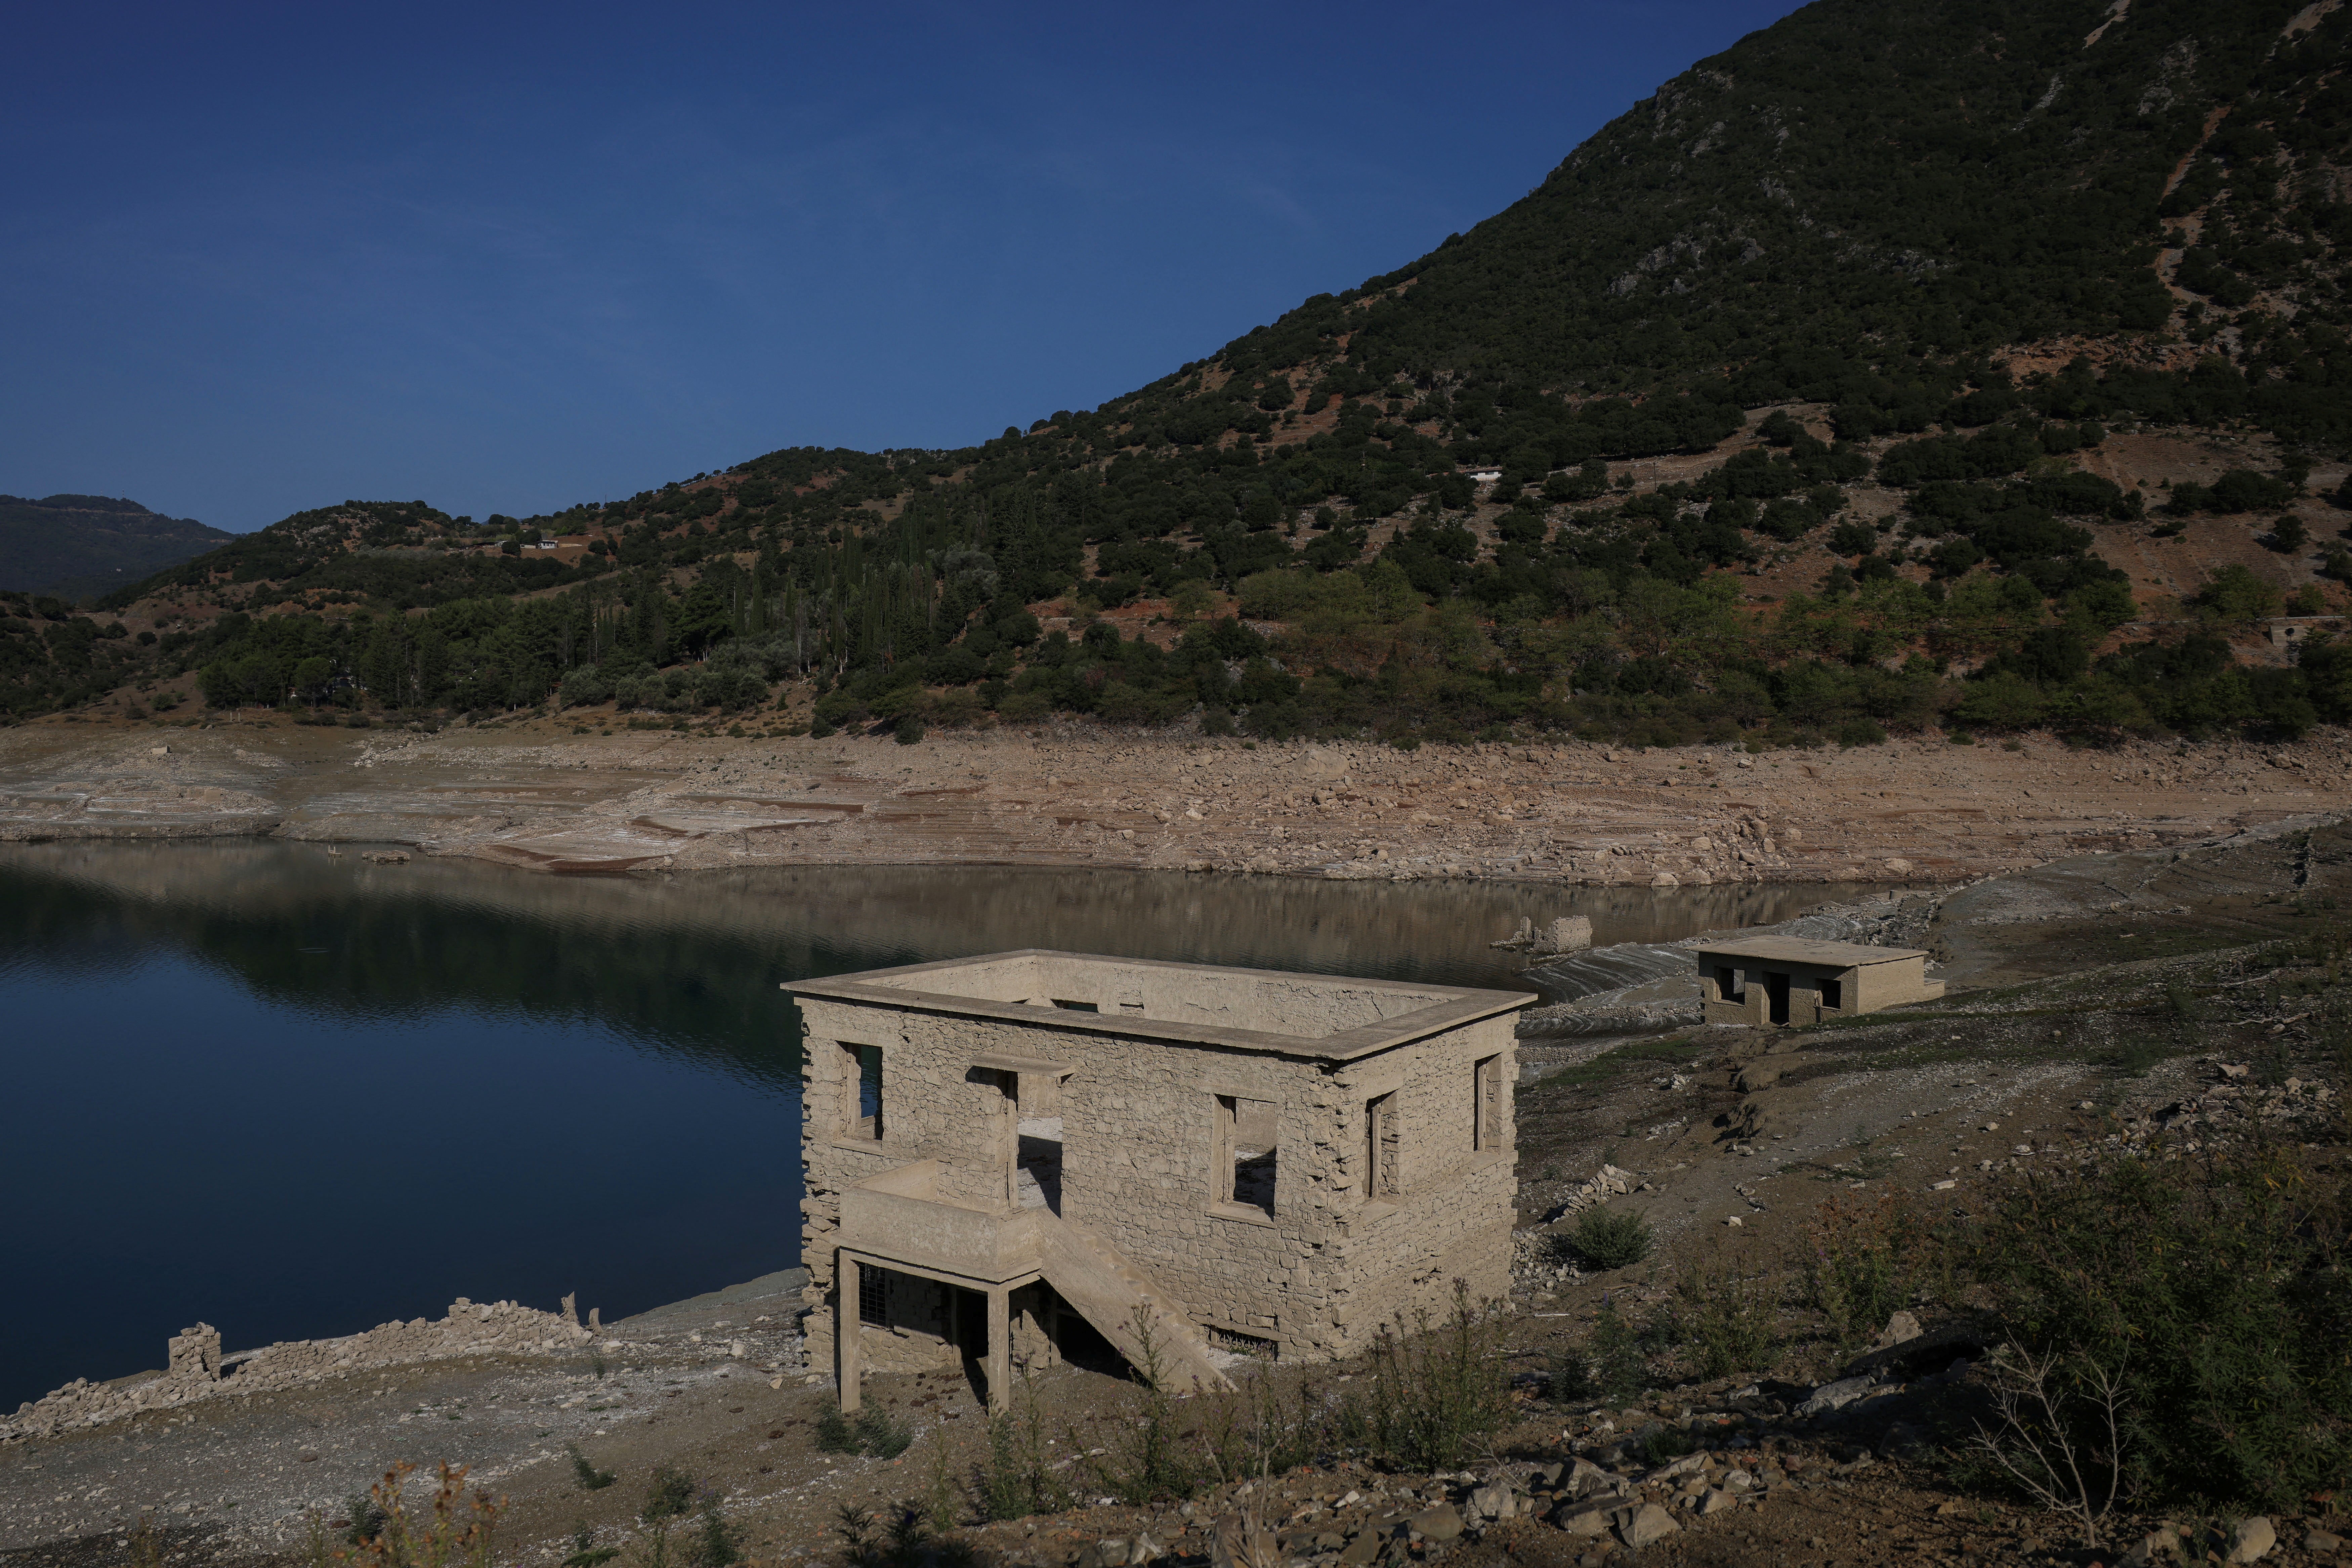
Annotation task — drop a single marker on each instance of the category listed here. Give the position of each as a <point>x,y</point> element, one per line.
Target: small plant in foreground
<point>668,1495</point>
<point>1018,1478</point>
<point>2204,1299</point>
<point>2057,1432</point>
<point>362,1517</point>
<point>1135,1460</point>
<point>942,1503</point>
<point>459,1530</point>
<point>1860,1271</point>
<point>585,1476</point>
<point>833,1433</point>
<point>1608,1366</point>
<point>1660,1444</point>
<point>1730,1326</point>
<point>905,1541</point>
<point>879,1436</point>
<point>1608,1238</point>
<point>585,1553</point>
<point>715,1544</point>
<point>1437,1393</point>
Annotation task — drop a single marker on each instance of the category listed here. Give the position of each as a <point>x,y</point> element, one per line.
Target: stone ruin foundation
<point>196,1370</point>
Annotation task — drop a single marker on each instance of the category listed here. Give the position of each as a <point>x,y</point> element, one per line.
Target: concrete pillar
<point>1000,1348</point>
<point>847,1332</point>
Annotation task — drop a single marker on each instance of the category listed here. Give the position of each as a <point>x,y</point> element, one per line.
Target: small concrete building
<point>1789,979</point>
<point>1024,1156</point>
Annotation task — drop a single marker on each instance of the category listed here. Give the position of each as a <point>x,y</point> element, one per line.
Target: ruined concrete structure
<point>1766,980</point>
<point>1021,1156</point>
<point>196,1370</point>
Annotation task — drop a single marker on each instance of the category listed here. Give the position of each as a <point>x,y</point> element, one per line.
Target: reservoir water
<point>294,1094</point>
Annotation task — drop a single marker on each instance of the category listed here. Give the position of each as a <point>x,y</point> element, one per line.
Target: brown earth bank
<point>2173,1004</point>
<point>544,795</point>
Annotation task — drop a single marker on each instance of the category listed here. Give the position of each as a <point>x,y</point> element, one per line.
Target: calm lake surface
<point>295,1094</point>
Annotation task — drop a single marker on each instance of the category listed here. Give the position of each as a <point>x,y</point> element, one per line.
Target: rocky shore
<point>536,795</point>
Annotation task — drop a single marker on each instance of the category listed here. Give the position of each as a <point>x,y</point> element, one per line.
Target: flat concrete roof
<point>930,988</point>
<point>1802,950</point>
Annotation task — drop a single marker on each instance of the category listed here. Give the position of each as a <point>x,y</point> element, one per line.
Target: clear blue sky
<point>507,257</point>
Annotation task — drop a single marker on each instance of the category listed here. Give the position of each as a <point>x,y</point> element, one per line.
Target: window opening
<point>1487,1104</point>
<point>862,1107</point>
<point>873,1296</point>
<point>1037,1176</point>
<point>1832,992</point>
<point>1726,984</point>
<point>1247,1156</point>
<point>1380,1153</point>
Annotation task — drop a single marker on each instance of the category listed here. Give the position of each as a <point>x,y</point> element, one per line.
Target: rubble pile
<point>1537,1258</point>
<point>197,1370</point>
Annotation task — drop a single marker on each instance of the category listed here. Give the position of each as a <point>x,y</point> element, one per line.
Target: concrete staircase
<point>1109,1293</point>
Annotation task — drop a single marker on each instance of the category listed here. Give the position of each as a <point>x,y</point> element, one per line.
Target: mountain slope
<point>74,546</point>
<point>1876,373</point>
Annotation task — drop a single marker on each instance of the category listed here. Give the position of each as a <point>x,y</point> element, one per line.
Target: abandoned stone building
<point>1766,980</point>
<point>1027,1155</point>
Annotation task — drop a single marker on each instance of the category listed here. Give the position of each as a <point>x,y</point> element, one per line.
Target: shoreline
<point>532,795</point>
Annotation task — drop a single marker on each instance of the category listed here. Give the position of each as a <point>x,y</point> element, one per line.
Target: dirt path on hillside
<point>538,796</point>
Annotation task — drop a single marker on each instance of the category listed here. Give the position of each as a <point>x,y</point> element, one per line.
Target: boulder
<point>2251,1541</point>
<point>1933,1348</point>
<point>1584,1477</point>
<point>1836,1395</point>
<point>1901,1328</point>
<point>1583,1518</point>
<point>1443,1522</point>
<point>1646,1525</point>
<point>1492,1502</point>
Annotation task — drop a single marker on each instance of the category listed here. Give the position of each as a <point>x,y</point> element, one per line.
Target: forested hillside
<point>77,546</point>
<point>1817,397</point>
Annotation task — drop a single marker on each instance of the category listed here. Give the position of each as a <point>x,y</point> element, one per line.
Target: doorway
<point>1776,997</point>
<point>969,1317</point>
<point>1037,1134</point>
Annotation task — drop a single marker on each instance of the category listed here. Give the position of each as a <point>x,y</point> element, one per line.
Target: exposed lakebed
<point>293,1093</point>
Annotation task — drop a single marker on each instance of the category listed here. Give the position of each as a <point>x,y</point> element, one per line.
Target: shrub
<point>459,1528</point>
<point>1730,1325</point>
<point>668,1495</point>
<point>1436,1391</point>
<point>878,1435</point>
<point>1018,1478</point>
<point>715,1544</point>
<point>1136,1460</point>
<point>586,687</point>
<point>1855,732</point>
<point>1607,1239</point>
<point>2202,1303</point>
<point>586,1476</point>
<point>1609,1365</point>
<point>905,1541</point>
<point>1863,1259</point>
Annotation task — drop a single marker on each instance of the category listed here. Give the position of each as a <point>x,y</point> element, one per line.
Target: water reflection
<point>683,956</point>
<point>293,1093</point>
